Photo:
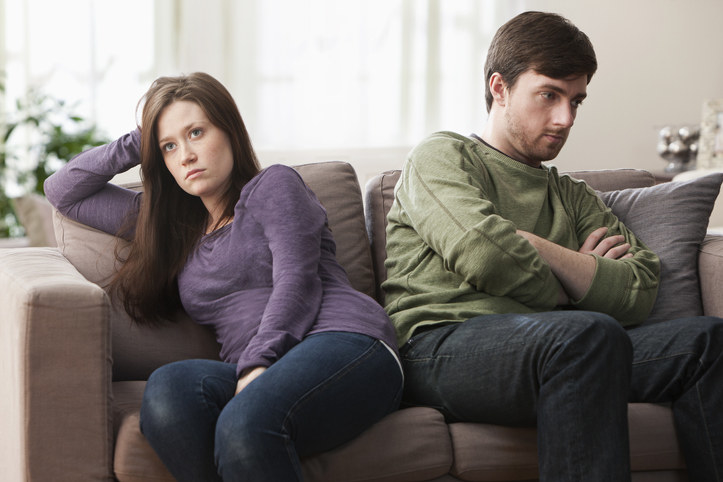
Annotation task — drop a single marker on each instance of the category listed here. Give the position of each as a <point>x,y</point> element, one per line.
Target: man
<point>509,285</point>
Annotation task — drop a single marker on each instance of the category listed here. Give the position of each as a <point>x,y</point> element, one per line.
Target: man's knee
<point>605,327</point>
<point>598,335</point>
<point>705,335</point>
<point>710,328</point>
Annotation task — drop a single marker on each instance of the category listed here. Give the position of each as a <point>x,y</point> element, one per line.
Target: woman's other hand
<point>247,377</point>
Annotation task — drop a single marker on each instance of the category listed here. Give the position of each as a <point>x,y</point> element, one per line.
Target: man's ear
<point>498,89</point>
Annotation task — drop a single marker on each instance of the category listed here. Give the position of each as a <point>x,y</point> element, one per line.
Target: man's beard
<point>535,150</point>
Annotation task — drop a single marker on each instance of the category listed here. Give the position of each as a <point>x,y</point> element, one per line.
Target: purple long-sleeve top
<point>263,282</point>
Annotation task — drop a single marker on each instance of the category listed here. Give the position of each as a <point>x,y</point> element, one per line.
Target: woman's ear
<point>498,89</point>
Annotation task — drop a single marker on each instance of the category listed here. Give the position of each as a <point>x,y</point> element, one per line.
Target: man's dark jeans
<point>572,373</point>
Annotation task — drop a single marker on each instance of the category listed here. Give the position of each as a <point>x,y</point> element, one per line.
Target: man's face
<point>538,114</point>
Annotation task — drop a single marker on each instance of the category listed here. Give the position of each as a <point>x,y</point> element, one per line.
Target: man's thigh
<point>490,368</point>
<point>669,357</point>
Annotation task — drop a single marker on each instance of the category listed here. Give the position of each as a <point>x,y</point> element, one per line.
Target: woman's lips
<point>193,173</point>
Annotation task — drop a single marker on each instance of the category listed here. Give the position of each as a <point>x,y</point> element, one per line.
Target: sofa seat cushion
<point>485,452</point>
<point>133,460</point>
<point>492,452</point>
<point>653,442</point>
<point>411,444</point>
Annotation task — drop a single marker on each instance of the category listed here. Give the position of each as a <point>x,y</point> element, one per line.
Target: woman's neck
<point>220,222</point>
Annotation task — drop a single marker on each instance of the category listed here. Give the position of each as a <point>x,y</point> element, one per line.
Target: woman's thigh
<point>181,406</point>
<point>190,385</point>
<point>323,392</point>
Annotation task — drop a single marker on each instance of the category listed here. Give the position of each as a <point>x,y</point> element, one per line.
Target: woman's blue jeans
<point>322,393</point>
<point>572,373</point>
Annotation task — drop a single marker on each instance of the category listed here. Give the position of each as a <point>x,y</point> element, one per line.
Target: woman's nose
<point>188,155</point>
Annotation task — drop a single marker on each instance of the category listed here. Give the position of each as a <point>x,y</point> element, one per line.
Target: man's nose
<point>565,115</point>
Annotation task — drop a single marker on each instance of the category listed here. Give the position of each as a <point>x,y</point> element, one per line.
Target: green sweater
<point>453,252</point>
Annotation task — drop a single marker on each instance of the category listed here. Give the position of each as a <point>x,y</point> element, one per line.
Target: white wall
<point>658,61</point>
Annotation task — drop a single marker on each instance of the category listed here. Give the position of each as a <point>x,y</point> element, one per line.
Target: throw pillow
<point>671,219</point>
<point>36,215</point>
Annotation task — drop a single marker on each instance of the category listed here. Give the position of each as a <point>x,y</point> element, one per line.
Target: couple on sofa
<point>508,285</point>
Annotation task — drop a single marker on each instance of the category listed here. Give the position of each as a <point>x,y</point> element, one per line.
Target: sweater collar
<point>485,143</point>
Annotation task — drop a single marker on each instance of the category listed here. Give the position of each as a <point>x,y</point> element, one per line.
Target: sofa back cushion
<point>378,199</point>
<point>138,350</point>
<point>36,216</point>
<point>614,179</point>
<point>672,220</point>
<point>379,196</point>
<point>335,184</point>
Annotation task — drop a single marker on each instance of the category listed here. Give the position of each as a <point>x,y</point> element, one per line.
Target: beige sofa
<point>72,367</point>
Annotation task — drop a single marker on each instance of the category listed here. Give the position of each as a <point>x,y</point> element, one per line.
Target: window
<point>95,55</point>
<point>312,74</point>
<point>352,73</point>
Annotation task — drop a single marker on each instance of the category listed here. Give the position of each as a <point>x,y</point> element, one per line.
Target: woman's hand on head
<point>247,377</point>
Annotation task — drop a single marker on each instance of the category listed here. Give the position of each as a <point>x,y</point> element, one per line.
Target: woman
<point>308,362</point>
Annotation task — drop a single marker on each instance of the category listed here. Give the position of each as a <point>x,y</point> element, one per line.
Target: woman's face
<point>196,152</point>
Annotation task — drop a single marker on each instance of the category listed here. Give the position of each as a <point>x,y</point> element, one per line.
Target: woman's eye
<point>196,132</point>
<point>168,147</point>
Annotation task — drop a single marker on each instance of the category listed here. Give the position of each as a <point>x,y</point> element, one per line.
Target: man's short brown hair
<point>547,43</point>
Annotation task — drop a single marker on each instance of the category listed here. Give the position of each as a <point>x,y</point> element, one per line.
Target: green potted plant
<point>54,134</point>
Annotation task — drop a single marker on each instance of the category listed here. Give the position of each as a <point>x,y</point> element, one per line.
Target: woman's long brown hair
<point>170,221</point>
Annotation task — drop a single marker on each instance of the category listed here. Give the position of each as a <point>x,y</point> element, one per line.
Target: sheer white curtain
<point>332,76</point>
<point>359,80</point>
<point>333,73</point>
<point>94,54</point>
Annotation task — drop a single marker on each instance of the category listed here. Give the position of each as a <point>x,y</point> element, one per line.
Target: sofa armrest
<point>55,370</point>
<point>710,270</point>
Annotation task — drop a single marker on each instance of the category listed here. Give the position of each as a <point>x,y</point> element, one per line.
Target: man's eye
<point>577,103</point>
<point>547,95</point>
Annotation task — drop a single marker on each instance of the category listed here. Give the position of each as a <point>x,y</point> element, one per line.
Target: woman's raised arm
<point>81,190</point>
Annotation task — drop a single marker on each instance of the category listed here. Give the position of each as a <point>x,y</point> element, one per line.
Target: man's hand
<point>247,377</point>
<point>613,247</point>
